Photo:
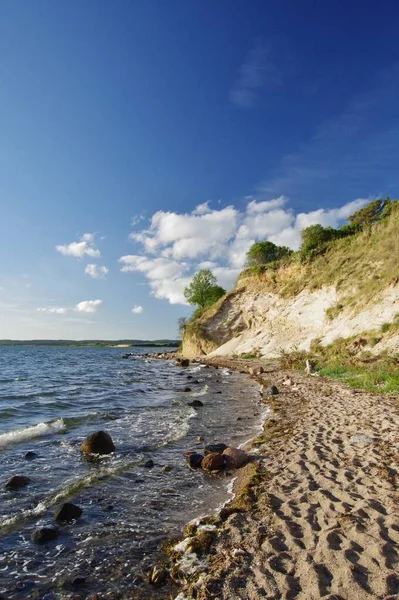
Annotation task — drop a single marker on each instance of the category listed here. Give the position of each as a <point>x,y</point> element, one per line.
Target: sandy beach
<point>320,516</point>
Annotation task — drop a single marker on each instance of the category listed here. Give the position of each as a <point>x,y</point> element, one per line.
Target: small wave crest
<point>21,435</point>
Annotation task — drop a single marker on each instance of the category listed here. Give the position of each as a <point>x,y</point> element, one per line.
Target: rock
<point>158,576</point>
<point>288,381</point>
<point>256,370</point>
<point>30,455</point>
<point>207,367</point>
<point>235,458</point>
<point>213,462</point>
<point>17,482</point>
<point>196,403</point>
<point>78,581</point>
<point>199,438</point>
<point>189,377</point>
<point>186,389</point>
<point>211,448</point>
<point>183,362</point>
<point>127,355</point>
<point>67,512</point>
<point>99,442</point>
<point>44,534</point>
<point>194,459</point>
<point>218,392</point>
<point>272,390</point>
<point>309,367</point>
<point>195,381</point>
<point>149,464</point>
<point>166,468</point>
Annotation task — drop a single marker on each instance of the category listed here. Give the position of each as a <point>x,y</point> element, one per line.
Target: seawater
<point>51,398</point>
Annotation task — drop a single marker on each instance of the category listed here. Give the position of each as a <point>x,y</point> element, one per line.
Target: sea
<point>51,398</point>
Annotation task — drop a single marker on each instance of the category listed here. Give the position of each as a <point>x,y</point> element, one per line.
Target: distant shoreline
<point>96,343</point>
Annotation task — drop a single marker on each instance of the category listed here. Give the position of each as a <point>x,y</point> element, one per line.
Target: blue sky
<point>160,137</point>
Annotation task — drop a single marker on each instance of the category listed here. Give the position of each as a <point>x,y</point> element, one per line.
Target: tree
<point>315,236</point>
<point>369,214</point>
<point>203,289</point>
<point>265,252</point>
<point>181,323</point>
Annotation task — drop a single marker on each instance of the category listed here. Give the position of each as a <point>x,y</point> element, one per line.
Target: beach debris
<point>149,464</point>
<point>44,534</point>
<point>194,459</point>
<point>99,442</point>
<point>256,370</point>
<point>272,390</point>
<point>195,403</point>
<point>235,458</point>
<point>186,389</point>
<point>309,367</point>
<point>211,448</point>
<point>288,381</point>
<point>361,438</point>
<point>17,482</point>
<point>158,576</point>
<point>213,462</point>
<point>199,438</point>
<point>68,512</point>
<point>30,455</point>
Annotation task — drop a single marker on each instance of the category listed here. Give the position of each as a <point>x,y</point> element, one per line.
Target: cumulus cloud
<point>96,272</point>
<point>52,310</point>
<point>88,306</point>
<point>176,245</point>
<point>84,247</point>
<point>137,309</point>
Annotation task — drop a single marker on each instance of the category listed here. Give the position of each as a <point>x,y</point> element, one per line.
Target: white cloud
<point>257,71</point>
<point>53,310</point>
<point>88,306</point>
<point>177,245</point>
<point>96,272</point>
<point>137,309</point>
<point>85,247</point>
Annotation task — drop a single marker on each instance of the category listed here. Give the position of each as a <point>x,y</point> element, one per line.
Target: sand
<point>324,522</point>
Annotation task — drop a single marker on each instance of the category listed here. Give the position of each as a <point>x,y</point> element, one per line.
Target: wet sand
<point>321,514</point>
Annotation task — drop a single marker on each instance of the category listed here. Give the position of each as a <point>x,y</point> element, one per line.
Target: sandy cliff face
<point>252,318</point>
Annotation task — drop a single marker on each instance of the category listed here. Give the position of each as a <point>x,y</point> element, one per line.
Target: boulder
<point>44,534</point>
<point>67,512</point>
<point>213,462</point>
<point>211,448</point>
<point>196,403</point>
<point>30,455</point>
<point>17,482</point>
<point>235,458</point>
<point>256,370</point>
<point>99,442</point>
<point>183,362</point>
<point>272,390</point>
<point>194,459</point>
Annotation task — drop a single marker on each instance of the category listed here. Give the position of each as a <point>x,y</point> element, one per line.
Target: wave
<point>21,435</point>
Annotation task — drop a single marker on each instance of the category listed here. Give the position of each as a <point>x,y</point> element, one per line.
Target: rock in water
<point>235,458</point>
<point>45,534</point>
<point>213,462</point>
<point>196,403</point>
<point>272,390</point>
<point>16,482</point>
<point>211,448</point>
<point>194,459</point>
<point>186,389</point>
<point>30,455</point>
<point>67,512</point>
<point>183,362</point>
<point>99,442</point>
<point>149,464</point>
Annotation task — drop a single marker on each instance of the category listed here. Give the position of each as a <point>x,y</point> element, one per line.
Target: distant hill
<point>145,343</point>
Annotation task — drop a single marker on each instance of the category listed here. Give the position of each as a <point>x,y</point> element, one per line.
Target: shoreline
<point>298,526</point>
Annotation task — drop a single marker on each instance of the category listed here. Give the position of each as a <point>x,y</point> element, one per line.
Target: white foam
<point>202,392</point>
<point>21,435</point>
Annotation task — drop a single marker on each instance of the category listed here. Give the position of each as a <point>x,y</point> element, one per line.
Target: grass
<point>380,378</point>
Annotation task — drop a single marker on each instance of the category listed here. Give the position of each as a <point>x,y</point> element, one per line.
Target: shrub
<point>266,252</point>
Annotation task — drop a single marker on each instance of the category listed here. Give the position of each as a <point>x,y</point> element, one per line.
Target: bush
<point>266,252</point>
